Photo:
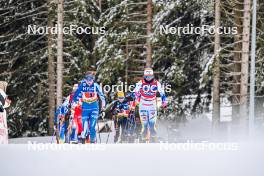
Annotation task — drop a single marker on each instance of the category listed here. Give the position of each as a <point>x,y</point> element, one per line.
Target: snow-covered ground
<point>243,159</point>
<point>195,130</point>
<point>195,152</point>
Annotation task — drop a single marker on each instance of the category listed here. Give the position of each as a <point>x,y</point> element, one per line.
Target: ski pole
<point>109,132</point>
<point>89,132</point>
<point>98,132</point>
<point>103,120</point>
<point>132,125</point>
<point>58,127</point>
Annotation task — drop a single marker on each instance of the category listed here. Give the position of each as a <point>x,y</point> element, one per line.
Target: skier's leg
<point>74,130</point>
<point>93,121</point>
<point>78,119</point>
<point>62,131</point>
<point>67,131</point>
<point>152,125</point>
<point>85,114</point>
<point>138,124</point>
<point>88,136</point>
<point>117,129</point>
<point>123,128</point>
<point>79,124</point>
<point>144,122</point>
<point>130,127</point>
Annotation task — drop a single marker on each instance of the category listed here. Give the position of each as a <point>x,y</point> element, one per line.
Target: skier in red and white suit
<point>146,92</point>
<point>76,115</point>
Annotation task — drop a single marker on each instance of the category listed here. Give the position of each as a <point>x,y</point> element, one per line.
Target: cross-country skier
<point>133,120</point>
<point>76,118</point>
<point>60,120</point>
<point>120,111</point>
<point>68,126</point>
<point>146,92</point>
<point>88,92</point>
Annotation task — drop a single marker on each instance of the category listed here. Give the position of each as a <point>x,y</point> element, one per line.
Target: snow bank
<point>132,160</point>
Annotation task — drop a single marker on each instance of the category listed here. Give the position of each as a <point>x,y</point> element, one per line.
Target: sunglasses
<point>148,77</point>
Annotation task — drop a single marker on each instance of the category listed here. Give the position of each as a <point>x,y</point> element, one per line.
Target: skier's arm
<point>101,95</point>
<point>113,109</point>
<point>59,113</point>
<point>66,105</point>
<point>162,92</point>
<point>76,96</point>
<point>137,90</point>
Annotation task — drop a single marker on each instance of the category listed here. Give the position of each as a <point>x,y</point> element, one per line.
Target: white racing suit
<point>146,93</point>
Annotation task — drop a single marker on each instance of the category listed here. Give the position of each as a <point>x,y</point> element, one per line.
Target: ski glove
<point>116,111</point>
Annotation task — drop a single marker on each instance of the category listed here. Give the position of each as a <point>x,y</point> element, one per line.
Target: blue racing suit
<point>60,114</point>
<point>88,96</point>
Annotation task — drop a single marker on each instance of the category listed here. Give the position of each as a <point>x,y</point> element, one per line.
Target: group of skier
<point>76,119</point>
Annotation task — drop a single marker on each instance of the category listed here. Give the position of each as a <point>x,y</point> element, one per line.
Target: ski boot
<point>153,139</point>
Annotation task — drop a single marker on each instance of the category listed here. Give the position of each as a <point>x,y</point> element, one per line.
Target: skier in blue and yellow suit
<point>87,94</point>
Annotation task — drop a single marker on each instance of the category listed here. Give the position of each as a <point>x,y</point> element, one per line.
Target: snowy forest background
<point>28,62</point>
